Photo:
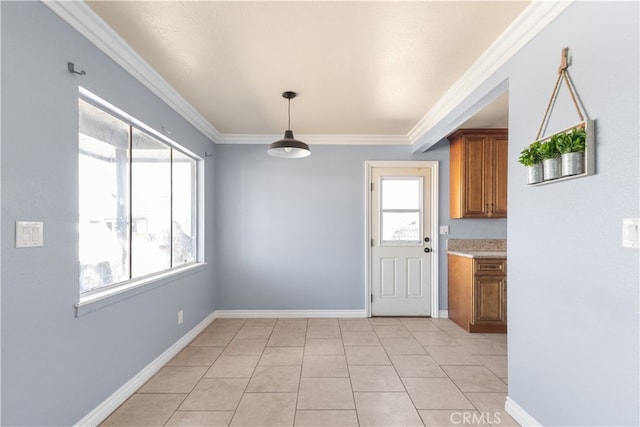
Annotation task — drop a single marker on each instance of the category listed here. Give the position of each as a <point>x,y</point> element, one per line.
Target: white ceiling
<point>360,68</point>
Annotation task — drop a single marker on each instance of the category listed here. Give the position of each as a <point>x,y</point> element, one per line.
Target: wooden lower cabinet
<point>478,293</point>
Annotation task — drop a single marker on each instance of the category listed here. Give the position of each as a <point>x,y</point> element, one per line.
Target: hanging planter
<point>532,159</point>
<point>535,173</point>
<point>563,155</point>
<point>572,146</point>
<point>551,159</point>
<point>566,154</point>
<point>572,163</point>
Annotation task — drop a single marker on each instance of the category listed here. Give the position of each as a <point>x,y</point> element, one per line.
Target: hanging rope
<point>563,75</point>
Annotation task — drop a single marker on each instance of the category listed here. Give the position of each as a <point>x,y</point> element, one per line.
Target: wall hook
<point>207,154</point>
<point>72,69</point>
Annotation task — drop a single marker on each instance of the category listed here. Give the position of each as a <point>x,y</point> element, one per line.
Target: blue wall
<point>573,299</point>
<point>573,289</point>
<point>290,233</point>
<point>57,367</point>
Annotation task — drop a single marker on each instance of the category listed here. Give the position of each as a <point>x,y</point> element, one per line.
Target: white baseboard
<point>251,314</point>
<point>520,415</point>
<point>103,410</point>
<point>443,314</point>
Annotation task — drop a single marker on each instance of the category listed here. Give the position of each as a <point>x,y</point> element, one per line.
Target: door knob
<point>427,250</point>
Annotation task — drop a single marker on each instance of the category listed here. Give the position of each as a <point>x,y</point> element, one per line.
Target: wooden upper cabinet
<point>478,173</point>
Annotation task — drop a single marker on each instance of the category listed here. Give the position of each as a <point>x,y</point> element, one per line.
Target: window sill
<point>100,299</point>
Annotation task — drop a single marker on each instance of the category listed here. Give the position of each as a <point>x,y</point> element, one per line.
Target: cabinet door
<point>490,301</point>
<point>478,173</point>
<point>499,178</point>
<point>475,174</point>
<point>460,271</point>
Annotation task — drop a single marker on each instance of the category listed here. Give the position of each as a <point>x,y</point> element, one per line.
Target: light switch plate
<point>630,233</point>
<point>444,229</point>
<point>29,234</point>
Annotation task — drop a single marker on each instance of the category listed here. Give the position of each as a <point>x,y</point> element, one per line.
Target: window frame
<point>106,295</point>
<point>419,210</point>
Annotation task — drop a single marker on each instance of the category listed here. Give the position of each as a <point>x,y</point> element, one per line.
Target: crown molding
<point>317,139</point>
<point>83,19</point>
<point>524,28</point>
<point>533,19</point>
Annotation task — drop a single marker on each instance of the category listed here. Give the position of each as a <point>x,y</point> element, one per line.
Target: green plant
<point>572,142</point>
<point>531,155</point>
<point>549,149</point>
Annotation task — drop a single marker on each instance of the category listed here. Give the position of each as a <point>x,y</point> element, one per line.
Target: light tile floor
<point>328,372</point>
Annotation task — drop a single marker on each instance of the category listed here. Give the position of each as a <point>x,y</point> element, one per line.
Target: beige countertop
<point>479,254</point>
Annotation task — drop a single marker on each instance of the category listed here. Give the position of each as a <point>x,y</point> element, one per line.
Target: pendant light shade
<point>289,147</point>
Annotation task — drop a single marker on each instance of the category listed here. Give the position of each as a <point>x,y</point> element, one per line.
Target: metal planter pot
<point>572,163</point>
<point>552,168</point>
<point>534,174</point>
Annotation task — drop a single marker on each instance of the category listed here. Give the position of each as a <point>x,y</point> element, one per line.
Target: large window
<point>137,201</point>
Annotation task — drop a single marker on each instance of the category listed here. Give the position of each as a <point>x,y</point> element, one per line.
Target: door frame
<point>429,164</point>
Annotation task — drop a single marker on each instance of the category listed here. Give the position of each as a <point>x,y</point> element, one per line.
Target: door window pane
<point>151,205</point>
<point>103,198</point>
<point>184,209</point>
<point>401,226</point>
<point>401,209</point>
<point>401,193</point>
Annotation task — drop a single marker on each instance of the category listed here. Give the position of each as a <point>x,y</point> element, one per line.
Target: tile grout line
<point>304,347</point>
<point>445,372</point>
<point>201,378</point>
<point>221,354</point>
<point>186,395</point>
<point>452,381</point>
<point>455,384</point>
<point>402,382</point>
<point>353,393</point>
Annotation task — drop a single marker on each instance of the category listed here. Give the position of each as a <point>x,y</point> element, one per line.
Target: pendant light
<point>289,147</point>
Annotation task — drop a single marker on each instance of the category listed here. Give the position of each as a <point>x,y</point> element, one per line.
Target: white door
<point>401,241</point>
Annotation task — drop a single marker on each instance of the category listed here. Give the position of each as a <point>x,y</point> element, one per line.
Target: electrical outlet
<point>180,317</point>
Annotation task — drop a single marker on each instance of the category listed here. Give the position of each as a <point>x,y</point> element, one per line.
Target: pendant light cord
<point>289,124</point>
